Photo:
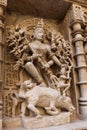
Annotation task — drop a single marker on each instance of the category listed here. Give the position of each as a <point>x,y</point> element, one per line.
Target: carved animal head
<point>28,84</point>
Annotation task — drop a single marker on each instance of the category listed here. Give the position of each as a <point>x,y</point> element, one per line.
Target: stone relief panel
<point>38,67</point>
<point>11,78</point>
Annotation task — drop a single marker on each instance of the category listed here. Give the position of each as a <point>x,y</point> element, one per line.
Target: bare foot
<point>38,116</point>
<point>22,115</point>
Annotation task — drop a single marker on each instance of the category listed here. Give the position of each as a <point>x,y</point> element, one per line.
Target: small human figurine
<point>64,79</point>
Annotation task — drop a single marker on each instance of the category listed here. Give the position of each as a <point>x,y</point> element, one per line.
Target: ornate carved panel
<point>39,59</point>
<point>79,13</point>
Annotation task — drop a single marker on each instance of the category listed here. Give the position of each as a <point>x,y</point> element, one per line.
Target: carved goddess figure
<point>43,62</point>
<point>39,52</point>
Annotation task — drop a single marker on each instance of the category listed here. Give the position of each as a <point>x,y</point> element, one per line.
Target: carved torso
<point>40,48</point>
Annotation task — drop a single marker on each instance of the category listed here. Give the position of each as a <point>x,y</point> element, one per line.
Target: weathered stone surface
<point>46,121</point>
<point>41,8</point>
<point>12,123</point>
<point>79,2</point>
<point>31,123</point>
<point>77,125</point>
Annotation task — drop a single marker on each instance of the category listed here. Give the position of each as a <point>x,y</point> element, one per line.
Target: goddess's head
<point>39,31</point>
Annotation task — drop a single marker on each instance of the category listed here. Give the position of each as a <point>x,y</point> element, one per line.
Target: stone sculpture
<point>34,94</point>
<point>38,53</point>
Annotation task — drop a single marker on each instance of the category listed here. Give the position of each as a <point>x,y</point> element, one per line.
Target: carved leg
<point>31,69</point>
<point>51,106</point>
<point>52,110</point>
<point>52,103</point>
<point>20,77</point>
<point>15,103</point>
<point>23,108</point>
<point>13,111</point>
<point>33,109</point>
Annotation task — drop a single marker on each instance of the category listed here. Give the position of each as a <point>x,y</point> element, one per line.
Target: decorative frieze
<point>77,14</point>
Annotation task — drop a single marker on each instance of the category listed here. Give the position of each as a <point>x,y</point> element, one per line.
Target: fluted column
<point>3,4</point>
<point>77,26</point>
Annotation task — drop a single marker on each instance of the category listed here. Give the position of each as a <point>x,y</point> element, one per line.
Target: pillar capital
<point>78,15</point>
<point>3,3</point>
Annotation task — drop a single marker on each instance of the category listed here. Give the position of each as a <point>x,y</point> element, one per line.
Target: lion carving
<point>45,97</point>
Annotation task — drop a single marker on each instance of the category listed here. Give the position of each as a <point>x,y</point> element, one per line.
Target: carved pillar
<point>77,25</point>
<point>3,4</point>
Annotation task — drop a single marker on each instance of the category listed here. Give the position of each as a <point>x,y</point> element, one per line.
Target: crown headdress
<point>40,25</point>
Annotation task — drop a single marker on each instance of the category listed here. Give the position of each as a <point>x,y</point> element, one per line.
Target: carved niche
<point>38,68</point>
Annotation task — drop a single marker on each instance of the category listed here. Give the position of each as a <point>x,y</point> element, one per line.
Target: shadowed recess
<point>54,9</point>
